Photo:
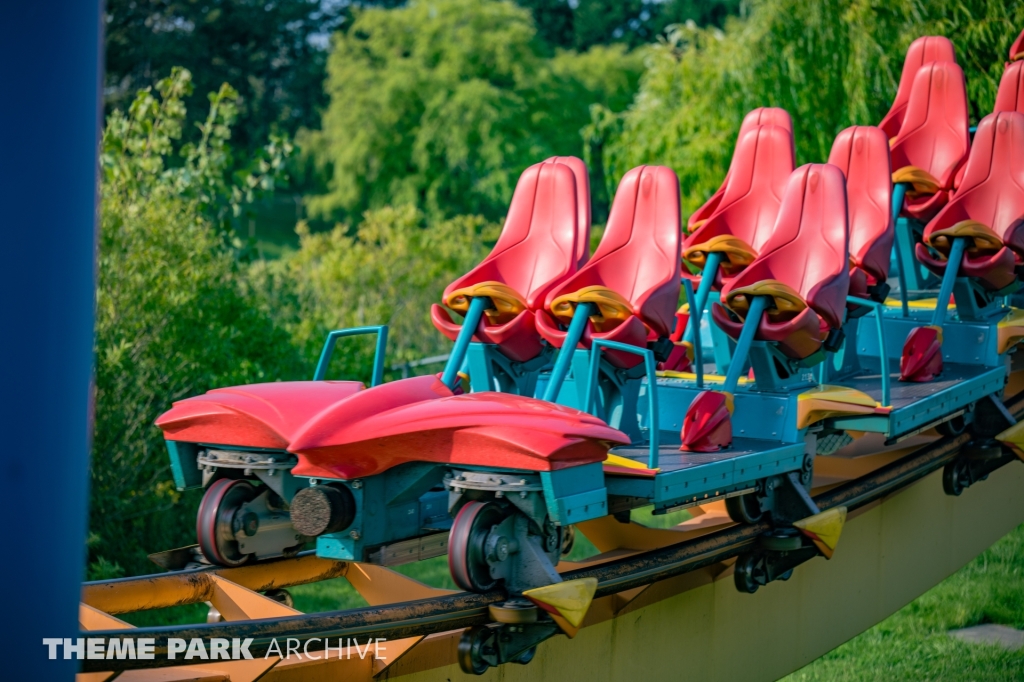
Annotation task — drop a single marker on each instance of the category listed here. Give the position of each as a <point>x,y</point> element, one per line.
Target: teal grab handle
<point>652,387</point>
<point>381,330</point>
<point>883,354</point>
<point>698,351</point>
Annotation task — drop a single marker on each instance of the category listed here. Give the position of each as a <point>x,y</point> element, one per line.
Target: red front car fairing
<point>362,433</point>
<point>362,436</point>
<point>254,416</point>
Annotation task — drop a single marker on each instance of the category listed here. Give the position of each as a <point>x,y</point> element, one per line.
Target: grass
<point>912,644</point>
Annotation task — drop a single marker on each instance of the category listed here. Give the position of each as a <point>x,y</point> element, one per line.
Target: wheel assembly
<point>467,553</point>
<point>744,508</point>
<point>216,523</point>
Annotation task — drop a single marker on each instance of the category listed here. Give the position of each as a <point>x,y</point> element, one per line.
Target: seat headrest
<point>1017,48</point>
<point>862,154</point>
<point>935,133</point>
<point>1010,96</point>
<point>579,169</point>
<point>922,51</point>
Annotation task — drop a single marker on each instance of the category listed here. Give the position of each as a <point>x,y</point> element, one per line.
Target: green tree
<point>172,317</point>
<point>443,104</point>
<point>269,50</point>
<point>830,63</point>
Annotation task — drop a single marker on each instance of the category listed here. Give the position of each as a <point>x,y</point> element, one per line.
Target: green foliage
<point>171,318</point>
<point>388,271</point>
<point>267,49</point>
<point>443,104</point>
<point>830,63</point>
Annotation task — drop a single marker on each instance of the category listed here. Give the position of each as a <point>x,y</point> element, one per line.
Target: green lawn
<point>912,644</point>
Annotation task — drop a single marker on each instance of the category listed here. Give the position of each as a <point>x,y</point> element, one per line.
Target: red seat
<point>922,51</point>
<point>803,268</point>
<point>934,140</point>
<point>758,117</point>
<point>1017,49</point>
<point>633,277</point>
<point>988,209</point>
<point>1010,96</point>
<point>545,239</point>
<point>862,154</point>
<point>753,193</point>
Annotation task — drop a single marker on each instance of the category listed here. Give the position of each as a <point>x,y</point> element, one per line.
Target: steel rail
<point>453,612</point>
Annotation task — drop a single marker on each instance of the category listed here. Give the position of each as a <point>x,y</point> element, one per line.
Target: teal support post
<point>899,191</point>
<point>695,314</point>
<point>739,358</point>
<point>477,306</point>
<point>651,367</point>
<point>956,254</point>
<point>707,279</point>
<point>882,352</point>
<point>564,358</point>
<point>380,330</point>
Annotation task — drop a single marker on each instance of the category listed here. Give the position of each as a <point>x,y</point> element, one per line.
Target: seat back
<point>579,170</point>
<point>762,116</point>
<point>762,162</point>
<point>1017,49</point>
<point>539,244</point>
<point>935,133</point>
<point>808,250</point>
<point>922,51</point>
<point>1010,96</point>
<point>862,154</point>
<point>992,191</point>
<point>638,257</point>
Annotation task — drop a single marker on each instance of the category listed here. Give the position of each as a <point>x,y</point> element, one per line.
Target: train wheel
<point>744,508</point>
<point>467,557</point>
<point>215,523</point>
<point>954,478</point>
<point>473,646</point>
<point>952,427</point>
<point>747,573</point>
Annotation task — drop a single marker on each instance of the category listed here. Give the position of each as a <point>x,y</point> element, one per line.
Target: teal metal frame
<point>883,352</point>
<point>652,388</point>
<point>380,330</point>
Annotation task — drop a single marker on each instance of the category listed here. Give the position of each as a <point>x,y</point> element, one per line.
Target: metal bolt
<point>354,534</point>
<point>313,481</point>
<point>357,484</point>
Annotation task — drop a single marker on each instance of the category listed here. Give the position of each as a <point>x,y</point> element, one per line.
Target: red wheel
<point>467,558</point>
<point>215,522</point>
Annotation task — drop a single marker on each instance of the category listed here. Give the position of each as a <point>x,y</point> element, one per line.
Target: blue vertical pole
<point>739,358</point>
<point>898,192</point>
<point>50,74</point>
<point>564,357</point>
<point>450,375</point>
<point>707,279</point>
<point>956,254</point>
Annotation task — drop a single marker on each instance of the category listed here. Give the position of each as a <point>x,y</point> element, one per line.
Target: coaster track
<point>422,617</point>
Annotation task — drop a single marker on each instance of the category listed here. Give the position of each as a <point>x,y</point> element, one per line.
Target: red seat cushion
<point>1011,89</point>
<point>922,51</point>
<point>638,259</point>
<point>808,253</point>
<point>758,117</point>
<point>545,237</point>
<point>862,154</point>
<point>753,192</point>
<point>934,136</point>
<point>992,193</point>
